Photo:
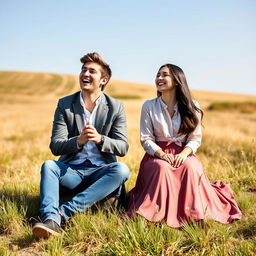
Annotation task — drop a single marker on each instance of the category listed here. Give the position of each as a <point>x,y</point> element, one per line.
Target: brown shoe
<point>46,229</point>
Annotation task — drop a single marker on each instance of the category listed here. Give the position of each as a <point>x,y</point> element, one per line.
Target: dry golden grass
<point>27,103</point>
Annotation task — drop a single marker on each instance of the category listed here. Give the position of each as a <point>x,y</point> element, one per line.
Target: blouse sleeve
<point>194,139</point>
<point>147,138</point>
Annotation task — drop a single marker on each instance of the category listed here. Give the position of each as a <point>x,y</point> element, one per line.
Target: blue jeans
<point>91,184</point>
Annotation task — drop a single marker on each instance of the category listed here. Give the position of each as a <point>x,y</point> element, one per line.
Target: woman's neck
<point>169,98</point>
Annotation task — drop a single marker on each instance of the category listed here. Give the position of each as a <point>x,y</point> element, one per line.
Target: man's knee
<point>48,166</point>
<point>122,170</point>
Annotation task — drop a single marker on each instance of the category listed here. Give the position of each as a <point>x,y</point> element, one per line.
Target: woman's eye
<point>162,75</point>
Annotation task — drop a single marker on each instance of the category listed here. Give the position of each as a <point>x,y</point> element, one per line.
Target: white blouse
<point>157,125</point>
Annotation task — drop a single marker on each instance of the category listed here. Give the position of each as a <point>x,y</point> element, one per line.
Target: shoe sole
<point>42,231</point>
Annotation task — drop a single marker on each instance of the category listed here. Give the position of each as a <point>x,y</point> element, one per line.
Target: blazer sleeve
<point>116,141</point>
<point>61,143</point>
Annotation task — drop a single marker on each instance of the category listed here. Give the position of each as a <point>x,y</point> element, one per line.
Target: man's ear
<point>104,80</point>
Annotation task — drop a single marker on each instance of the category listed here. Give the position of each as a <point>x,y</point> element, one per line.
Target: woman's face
<point>164,80</point>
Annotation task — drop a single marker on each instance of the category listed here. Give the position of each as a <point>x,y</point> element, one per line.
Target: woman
<point>171,185</point>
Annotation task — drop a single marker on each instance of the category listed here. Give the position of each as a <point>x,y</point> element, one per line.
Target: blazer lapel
<point>101,115</point>
<point>78,111</point>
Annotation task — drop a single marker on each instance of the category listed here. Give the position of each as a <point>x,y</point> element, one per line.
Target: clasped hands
<point>178,159</point>
<point>89,133</point>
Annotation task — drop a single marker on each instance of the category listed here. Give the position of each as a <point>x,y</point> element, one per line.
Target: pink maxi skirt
<point>175,195</point>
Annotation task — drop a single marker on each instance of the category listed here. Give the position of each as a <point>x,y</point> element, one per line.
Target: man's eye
<point>92,71</point>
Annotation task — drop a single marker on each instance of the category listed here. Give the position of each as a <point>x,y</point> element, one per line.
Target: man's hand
<point>82,139</point>
<point>92,134</point>
<point>89,133</point>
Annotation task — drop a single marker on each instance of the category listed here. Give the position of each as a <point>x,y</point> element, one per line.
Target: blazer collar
<point>78,111</point>
<point>101,114</point>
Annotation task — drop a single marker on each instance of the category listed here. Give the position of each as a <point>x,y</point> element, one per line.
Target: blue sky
<point>212,41</point>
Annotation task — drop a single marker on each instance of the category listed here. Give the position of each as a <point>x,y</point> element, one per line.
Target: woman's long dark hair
<point>186,106</point>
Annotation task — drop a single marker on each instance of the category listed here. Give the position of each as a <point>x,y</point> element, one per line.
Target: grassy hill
<point>56,85</point>
<point>228,153</point>
<point>43,84</point>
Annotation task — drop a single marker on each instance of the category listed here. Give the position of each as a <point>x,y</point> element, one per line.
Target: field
<point>228,153</point>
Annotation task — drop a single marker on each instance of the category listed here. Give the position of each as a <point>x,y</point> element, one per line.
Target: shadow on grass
<point>19,209</point>
<point>24,242</point>
<point>17,206</point>
<point>26,203</point>
<point>248,228</point>
<point>247,232</point>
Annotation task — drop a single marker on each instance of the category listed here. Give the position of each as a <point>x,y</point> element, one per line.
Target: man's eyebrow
<point>88,68</point>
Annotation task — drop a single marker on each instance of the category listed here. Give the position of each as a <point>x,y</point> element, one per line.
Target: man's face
<point>91,78</point>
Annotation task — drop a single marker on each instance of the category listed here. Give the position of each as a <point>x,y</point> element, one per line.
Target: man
<point>89,131</point>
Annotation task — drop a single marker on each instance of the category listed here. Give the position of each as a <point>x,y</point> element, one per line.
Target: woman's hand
<point>180,158</point>
<point>168,158</point>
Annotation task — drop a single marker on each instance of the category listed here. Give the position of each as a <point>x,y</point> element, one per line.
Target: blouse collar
<point>175,107</point>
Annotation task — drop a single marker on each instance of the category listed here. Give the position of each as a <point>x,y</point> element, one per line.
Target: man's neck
<point>90,99</point>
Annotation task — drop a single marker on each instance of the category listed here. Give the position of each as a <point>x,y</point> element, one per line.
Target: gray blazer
<point>68,124</point>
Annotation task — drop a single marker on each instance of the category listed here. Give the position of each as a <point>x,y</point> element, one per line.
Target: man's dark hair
<point>96,58</point>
